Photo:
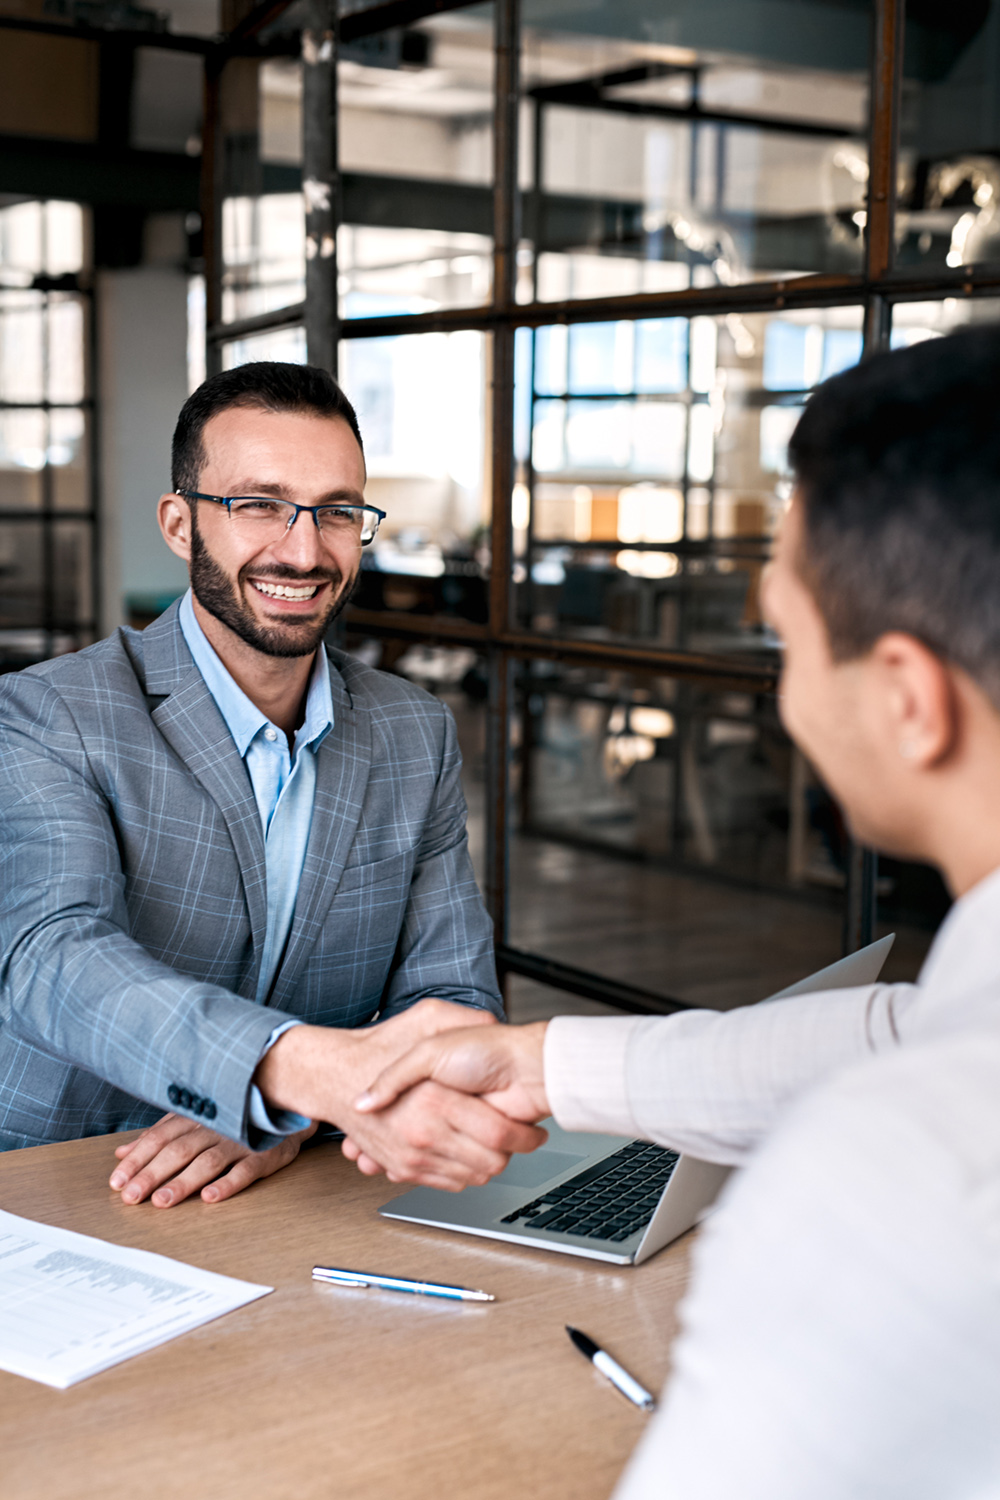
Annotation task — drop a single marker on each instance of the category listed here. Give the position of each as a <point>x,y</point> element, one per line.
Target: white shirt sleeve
<point>713,1083</point>
<point>841,1340</point>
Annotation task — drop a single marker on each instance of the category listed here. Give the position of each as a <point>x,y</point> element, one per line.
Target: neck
<point>969,850</point>
<point>956,815</point>
<point>277,685</point>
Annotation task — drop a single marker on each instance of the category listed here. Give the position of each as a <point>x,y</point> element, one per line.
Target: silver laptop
<point>606,1197</point>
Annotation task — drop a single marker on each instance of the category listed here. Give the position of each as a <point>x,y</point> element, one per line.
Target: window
<point>47,564</point>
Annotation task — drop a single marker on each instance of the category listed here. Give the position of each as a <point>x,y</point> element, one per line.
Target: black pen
<point>612,1369</point>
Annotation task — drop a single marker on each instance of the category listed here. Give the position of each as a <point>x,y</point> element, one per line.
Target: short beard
<point>222,599</point>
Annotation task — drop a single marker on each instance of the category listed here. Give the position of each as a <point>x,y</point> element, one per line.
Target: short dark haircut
<point>266,385</point>
<point>898,466</point>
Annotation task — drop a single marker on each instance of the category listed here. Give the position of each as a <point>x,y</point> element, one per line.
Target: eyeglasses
<point>266,519</point>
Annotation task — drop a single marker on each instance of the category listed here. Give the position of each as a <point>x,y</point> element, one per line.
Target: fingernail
<point>118,1179</point>
<point>210,1194</point>
<point>163,1196</point>
<point>364,1101</point>
<point>130,1194</point>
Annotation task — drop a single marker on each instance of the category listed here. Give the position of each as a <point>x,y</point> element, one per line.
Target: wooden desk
<point>317,1391</point>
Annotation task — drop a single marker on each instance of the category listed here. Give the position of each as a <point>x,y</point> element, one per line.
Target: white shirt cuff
<point>584,1062</point>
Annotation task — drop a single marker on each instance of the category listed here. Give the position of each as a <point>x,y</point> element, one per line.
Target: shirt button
<point>270,734</point>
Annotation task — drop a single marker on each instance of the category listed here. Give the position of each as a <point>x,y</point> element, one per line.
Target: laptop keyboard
<point>608,1201</point>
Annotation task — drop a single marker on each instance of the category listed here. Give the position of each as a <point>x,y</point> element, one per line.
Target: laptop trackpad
<point>537,1167</point>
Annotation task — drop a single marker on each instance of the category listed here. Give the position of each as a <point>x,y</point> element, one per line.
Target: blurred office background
<point>584,261</point>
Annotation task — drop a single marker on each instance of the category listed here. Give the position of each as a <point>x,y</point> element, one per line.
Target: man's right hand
<point>432,1135</point>
<point>503,1066</point>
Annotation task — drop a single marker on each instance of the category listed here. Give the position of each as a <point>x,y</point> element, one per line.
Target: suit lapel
<point>343,763</point>
<point>192,725</point>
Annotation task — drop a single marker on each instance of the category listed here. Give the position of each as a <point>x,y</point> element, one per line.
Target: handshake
<point>440,1095</point>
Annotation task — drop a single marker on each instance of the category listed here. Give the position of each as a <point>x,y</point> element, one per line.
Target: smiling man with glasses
<point>230,848</point>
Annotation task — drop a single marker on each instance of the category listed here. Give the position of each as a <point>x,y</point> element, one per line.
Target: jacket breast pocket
<point>381,875</point>
<point>369,908</point>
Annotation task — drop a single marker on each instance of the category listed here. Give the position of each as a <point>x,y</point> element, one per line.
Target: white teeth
<point>283,591</point>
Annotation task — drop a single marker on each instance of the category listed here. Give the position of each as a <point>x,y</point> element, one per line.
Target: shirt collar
<point>318,719</point>
<point>243,718</point>
<point>966,949</point>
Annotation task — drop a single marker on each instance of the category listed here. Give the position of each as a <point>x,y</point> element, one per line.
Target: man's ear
<point>174,515</point>
<point>920,710</point>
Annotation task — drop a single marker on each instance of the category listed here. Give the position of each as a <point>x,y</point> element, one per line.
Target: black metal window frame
<point>875,289</point>
<point>83,628</point>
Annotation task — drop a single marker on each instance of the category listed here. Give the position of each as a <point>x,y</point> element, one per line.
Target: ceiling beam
<point>81,32</point>
<point>264,14</point>
<point>387,15</point>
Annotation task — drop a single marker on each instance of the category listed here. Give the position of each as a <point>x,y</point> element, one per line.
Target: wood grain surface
<point>319,1391</point>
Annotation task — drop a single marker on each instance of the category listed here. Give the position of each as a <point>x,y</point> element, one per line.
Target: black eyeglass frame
<point>310,510</point>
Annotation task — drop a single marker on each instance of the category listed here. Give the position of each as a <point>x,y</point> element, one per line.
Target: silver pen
<point>609,1367</point>
<point>337,1277</point>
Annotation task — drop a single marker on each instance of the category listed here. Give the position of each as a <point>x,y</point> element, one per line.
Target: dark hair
<point>266,385</point>
<point>898,466</point>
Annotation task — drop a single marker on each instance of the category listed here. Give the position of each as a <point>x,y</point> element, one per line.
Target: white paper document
<point>71,1305</point>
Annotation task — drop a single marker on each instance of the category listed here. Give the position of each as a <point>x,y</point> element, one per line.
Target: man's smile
<point>296,592</point>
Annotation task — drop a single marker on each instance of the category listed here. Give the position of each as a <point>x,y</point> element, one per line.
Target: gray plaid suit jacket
<point>133,901</point>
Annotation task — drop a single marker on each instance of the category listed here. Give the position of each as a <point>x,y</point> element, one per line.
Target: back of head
<point>266,385</point>
<point>898,466</point>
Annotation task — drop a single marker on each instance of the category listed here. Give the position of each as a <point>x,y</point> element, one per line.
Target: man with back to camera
<point>227,849</point>
<point>841,1340</point>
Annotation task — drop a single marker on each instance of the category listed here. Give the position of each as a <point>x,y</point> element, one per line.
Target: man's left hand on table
<point>177,1157</point>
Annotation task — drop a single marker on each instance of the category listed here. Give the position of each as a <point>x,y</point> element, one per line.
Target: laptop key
<point>543,1221</point>
<point>591,1174</point>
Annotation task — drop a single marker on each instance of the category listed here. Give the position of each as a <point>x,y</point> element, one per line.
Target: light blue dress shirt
<point>284,785</point>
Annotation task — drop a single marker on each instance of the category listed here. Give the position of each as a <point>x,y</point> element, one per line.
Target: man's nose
<point>301,545</point>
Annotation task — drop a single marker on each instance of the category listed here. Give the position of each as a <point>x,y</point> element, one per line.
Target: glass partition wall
<point>579,267</point>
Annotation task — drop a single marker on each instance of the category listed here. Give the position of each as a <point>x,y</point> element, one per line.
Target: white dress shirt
<point>841,1340</point>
